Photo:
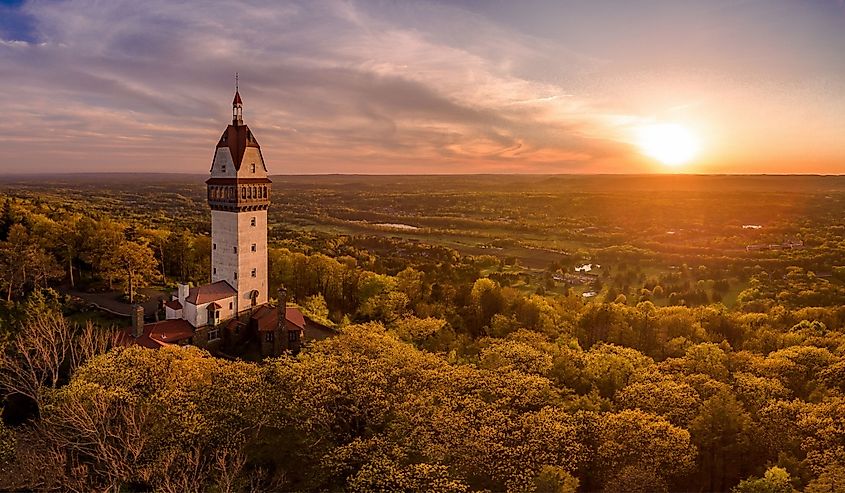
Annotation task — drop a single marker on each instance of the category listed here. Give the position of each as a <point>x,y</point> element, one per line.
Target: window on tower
<point>254,273</point>
<point>214,246</point>
<point>235,249</point>
<point>252,167</point>
<point>254,247</point>
<point>252,222</point>
<point>223,167</point>
<point>214,270</point>
<point>236,275</point>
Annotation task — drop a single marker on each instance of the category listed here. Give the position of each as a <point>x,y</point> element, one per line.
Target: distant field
<point>646,225</point>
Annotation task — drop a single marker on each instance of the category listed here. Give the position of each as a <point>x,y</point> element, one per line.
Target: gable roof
<point>173,304</point>
<point>207,293</point>
<point>267,318</point>
<point>237,139</point>
<point>169,331</point>
<point>294,316</point>
<point>158,334</point>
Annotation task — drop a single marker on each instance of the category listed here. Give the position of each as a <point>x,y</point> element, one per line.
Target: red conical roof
<point>237,99</point>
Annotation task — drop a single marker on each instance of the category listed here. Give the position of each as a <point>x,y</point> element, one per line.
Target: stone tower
<point>239,196</point>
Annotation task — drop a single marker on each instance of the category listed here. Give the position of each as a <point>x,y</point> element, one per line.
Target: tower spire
<point>237,106</point>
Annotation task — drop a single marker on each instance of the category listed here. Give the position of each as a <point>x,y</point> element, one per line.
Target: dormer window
<point>252,167</point>
<point>223,167</point>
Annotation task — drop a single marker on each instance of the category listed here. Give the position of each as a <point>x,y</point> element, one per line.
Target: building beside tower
<point>233,307</point>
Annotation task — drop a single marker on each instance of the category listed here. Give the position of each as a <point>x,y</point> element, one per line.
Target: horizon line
<point>167,173</point>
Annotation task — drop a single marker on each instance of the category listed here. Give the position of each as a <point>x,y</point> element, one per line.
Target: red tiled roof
<point>237,139</point>
<point>267,317</point>
<point>294,316</point>
<point>207,293</point>
<point>158,334</point>
<point>170,331</point>
<point>173,304</point>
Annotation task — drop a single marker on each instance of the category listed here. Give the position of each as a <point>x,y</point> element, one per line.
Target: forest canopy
<point>668,366</point>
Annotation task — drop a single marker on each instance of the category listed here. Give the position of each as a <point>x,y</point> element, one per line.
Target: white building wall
<point>223,166</point>
<point>200,312</point>
<point>249,260</point>
<point>224,240</point>
<point>189,313</point>
<point>252,155</point>
<point>170,313</point>
<point>232,258</point>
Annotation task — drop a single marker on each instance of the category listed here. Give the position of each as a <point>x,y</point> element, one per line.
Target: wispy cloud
<point>340,86</point>
<point>328,87</point>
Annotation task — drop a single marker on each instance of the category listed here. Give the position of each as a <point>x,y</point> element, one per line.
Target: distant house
<point>786,245</point>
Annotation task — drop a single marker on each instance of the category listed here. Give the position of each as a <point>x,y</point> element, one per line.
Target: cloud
<point>327,86</point>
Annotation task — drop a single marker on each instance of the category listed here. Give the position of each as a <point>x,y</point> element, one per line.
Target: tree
<point>722,431</point>
<point>315,307</point>
<point>486,300</point>
<point>174,419</point>
<point>554,479</point>
<point>68,243</point>
<point>830,480</point>
<point>775,480</point>
<point>134,263</point>
<point>101,240</point>
<point>46,345</point>
<point>678,402</point>
<point>7,443</point>
<point>23,263</point>
<point>640,442</point>
<point>610,367</point>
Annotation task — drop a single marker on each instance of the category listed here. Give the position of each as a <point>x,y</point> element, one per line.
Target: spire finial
<point>236,82</point>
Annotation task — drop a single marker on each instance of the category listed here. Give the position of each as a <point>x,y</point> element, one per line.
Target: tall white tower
<point>239,195</point>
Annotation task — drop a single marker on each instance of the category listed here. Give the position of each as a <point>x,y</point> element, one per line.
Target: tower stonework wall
<point>239,196</point>
<point>249,235</point>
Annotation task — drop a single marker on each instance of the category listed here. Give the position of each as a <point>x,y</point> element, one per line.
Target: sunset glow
<point>427,87</point>
<point>670,143</point>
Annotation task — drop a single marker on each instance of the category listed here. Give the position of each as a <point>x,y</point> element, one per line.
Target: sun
<point>671,144</point>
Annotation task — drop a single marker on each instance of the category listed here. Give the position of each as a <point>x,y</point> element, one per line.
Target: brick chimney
<point>283,297</point>
<point>137,320</point>
<point>281,305</point>
<point>182,291</point>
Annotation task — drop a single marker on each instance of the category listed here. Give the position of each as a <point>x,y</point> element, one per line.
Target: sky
<point>400,87</point>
